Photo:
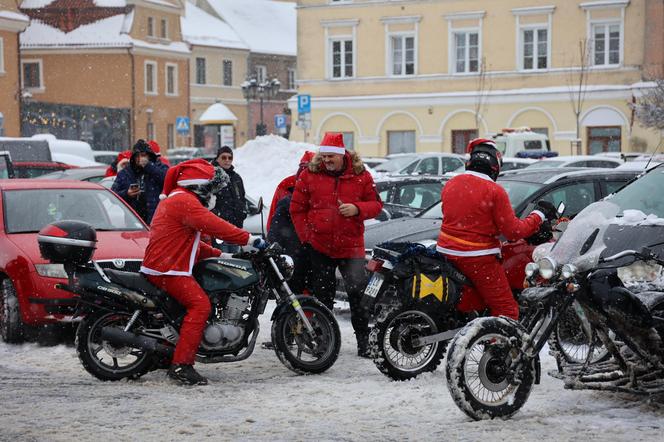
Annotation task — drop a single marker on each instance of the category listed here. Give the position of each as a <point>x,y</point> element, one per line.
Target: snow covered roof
<point>10,15</point>
<point>267,27</point>
<point>217,114</point>
<point>201,28</point>
<point>34,4</point>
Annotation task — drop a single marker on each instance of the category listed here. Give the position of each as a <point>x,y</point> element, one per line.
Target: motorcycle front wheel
<point>390,343</point>
<point>292,343</point>
<point>106,361</point>
<point>478,375</point>
<point>571,342</point>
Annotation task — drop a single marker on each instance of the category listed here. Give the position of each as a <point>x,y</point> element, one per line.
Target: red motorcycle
<point>419,302</point>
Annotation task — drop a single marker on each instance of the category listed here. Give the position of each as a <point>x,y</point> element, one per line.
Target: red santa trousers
<point>490,286</point>
<point>188,293</point>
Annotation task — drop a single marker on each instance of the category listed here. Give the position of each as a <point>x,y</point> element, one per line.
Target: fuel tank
<point>224,274</point>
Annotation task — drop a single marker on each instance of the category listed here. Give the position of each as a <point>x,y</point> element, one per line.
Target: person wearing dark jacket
<point>231,204</point>
<point>140,183</point>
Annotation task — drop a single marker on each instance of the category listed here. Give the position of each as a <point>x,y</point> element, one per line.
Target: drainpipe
<point>132,113</point>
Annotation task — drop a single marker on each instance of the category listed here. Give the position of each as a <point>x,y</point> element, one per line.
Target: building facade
<point>12,22</point>
<point>428,75</point>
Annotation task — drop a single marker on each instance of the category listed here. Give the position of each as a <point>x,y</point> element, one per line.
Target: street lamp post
<point>252,90</point>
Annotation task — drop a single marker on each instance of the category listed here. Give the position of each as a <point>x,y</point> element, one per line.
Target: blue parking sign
<point>303,104</point>
<point>279,121</point>
<point>182,125</point>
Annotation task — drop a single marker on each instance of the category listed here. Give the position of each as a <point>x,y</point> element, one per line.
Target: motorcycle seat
<point>135,281</point>
<point>649,298</point>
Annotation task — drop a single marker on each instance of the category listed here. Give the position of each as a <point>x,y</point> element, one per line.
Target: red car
<point>33,169</point>
<point>28,297</point>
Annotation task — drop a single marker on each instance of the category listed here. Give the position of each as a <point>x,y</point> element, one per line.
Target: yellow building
<point>11,23</point>
<point>428,75</point>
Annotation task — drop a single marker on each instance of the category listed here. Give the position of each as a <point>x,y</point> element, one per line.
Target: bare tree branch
<point>483,89</point>
<point>577,85</point>
<point>650,107</point>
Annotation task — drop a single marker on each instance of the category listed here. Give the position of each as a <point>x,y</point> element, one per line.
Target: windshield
<point>30,210</point>
<point>395,164</point>
<point>542,164</point>
<point>637,204</point>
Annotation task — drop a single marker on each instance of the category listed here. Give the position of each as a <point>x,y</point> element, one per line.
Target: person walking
<point>231,204</point>
<point>141,181</point>
<point>331,200</point>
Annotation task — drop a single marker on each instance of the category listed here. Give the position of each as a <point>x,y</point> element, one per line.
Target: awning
<point>217,114</point>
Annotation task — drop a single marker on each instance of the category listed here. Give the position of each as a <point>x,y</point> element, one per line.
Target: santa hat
<point>156,148</point>
<point>333,142</point>
<point>187,173</point>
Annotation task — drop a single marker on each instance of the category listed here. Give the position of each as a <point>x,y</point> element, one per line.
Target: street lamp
<point>252,89</point>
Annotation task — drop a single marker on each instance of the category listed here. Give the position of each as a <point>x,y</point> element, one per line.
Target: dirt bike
<point>130,327</point>
<point>493,363</point>
<point>414,322</point>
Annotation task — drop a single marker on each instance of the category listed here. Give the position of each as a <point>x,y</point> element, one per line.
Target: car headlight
<point>547,267</point>
<point>286,266</point>
<point>568,270</point>
<point>531,269</point>
<point>51,270</point>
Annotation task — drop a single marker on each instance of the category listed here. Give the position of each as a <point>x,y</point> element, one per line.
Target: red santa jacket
<point>175,235</point>
<point>476,211</point>
<point>315,207</point>
<point>281,192</point>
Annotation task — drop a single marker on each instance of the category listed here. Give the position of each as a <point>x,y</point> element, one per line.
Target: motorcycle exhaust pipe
<point>117,336</point>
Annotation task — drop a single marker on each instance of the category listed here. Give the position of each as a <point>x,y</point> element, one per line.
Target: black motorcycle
<point>493,363</point>
<point>130,327</point>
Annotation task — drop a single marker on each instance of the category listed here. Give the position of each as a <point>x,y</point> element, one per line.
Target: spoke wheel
<point>571,341</point>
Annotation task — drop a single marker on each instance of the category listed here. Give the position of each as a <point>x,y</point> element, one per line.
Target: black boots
<point>362,344</point>
<point>186,375</point>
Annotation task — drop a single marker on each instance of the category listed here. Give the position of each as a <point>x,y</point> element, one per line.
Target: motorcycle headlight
<point>51,270</point>
<point>568,270</point>
<point>531,269</point>
<point>286,266</point>
<point>547,267</point>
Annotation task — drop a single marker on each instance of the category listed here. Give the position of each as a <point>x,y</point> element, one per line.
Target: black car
<point>408,195</point>
<point>576,187</point>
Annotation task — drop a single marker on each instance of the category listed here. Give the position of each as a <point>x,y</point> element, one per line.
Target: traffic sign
<point>182,125</point>
<point>303,104</point>
<point>280,121</point>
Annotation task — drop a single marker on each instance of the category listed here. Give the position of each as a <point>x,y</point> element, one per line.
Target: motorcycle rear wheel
<point>477,372</point>
<point>291,342</point>
<point>103,360</point>
<point>390,343</point>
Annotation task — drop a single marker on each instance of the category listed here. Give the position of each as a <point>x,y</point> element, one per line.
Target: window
<point>535,44</point>
<point>428,166</point>
<point>402,51</point>
<point>418,195</point>
<point>342,58</point>
<point>460,139</point>
<point>171,79</point>
<point>466,52</point>
<point>606,44</point>
<point>150,77</point>
<point>348,140</point>
<point>400,141</point>
<point>604,139</point>
<point>170,136</point>
<point>451,164</point>
<point>149,130</point>
<point>150,26</point>
<point>2,55</point>
<point>261,73</point>
<point>32,74</point>
<point>200,70</point>
<point>164,28</point>
<point>575,196</point>
<point>227,66</point>
<point>291,79</point>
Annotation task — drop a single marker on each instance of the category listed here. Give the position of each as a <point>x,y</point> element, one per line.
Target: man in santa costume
<point>175,246</point>
<point>476,211</point>
<point>331,200</point>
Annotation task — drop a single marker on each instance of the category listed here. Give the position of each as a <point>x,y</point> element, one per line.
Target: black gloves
<point>544,234</point>
<point>548,209</point>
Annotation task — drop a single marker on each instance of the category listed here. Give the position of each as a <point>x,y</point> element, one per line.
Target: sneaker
<point>186,375</point>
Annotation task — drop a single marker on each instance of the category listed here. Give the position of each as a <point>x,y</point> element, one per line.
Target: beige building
<point>12,22</point>
<point>427,75</point>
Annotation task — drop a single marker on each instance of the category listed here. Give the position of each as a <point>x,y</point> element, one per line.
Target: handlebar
<point>645,254</point>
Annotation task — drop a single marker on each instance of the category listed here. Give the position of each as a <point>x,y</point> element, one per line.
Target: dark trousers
<point>323,284</point>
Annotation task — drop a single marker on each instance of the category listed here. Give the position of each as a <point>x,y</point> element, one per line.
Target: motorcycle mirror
<point>260,204</point>
<point>384,215</point>
<point>260,210</point>
<point>561,208</point>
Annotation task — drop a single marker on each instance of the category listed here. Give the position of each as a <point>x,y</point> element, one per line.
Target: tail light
<point>375,265</point>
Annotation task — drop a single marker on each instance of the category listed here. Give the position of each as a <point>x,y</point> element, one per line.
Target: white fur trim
<point>540,214</point>
<point>478,175</point>
<point>483,252</point>
<point>192,182</point>
<point>332,149</point>
<point>162,196</point>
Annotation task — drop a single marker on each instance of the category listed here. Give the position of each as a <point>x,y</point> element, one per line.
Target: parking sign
<point>280,121</point>
<point>303,104</point>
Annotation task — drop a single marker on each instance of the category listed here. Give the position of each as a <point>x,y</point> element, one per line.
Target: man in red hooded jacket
<point>175,246</point>
<point>476,211</point>
<point>331,200</point>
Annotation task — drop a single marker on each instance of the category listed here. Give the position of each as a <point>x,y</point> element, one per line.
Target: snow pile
<point>264,161</point>
<point>632,217</point>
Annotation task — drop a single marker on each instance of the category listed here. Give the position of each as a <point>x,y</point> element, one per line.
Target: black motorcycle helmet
<point>484,157</point>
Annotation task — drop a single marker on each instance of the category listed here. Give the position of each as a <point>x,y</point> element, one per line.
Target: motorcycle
<point>130,327</point>
<point>493,363</point>
<point>414,322</point>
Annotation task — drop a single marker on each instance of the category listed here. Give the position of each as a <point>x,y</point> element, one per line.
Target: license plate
<point>374,285</point>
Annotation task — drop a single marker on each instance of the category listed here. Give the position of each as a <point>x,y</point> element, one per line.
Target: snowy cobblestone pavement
<point>45,395</point>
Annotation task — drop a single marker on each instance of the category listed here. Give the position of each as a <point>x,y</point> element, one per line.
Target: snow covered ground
<point>46,395</point>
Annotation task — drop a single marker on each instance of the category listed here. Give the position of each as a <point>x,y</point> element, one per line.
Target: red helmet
<point>484,157</point>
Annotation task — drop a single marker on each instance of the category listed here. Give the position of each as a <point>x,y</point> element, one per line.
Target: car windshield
<point>543,164</point>
<point>395,164</point>
<point>30,210</point>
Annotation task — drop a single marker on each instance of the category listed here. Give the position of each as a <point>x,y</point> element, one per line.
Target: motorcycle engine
<point>228,330</point>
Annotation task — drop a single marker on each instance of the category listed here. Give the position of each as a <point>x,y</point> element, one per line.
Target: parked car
<point>510,163</point>
<point>408,195</point>
<point>578,161</point>
<point>625,156</point>
<point>68,147</point>
<point>522,141</point>
<point>92,174</point>
<point>373,161</point>
<point>28,294</point>
<point>26,149</point>
<point>395,163</point>
<point>430,163</point>
<point>105,156</point>
<point>577,188</point>
<point>34,169</point>
<point>6,165</point>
